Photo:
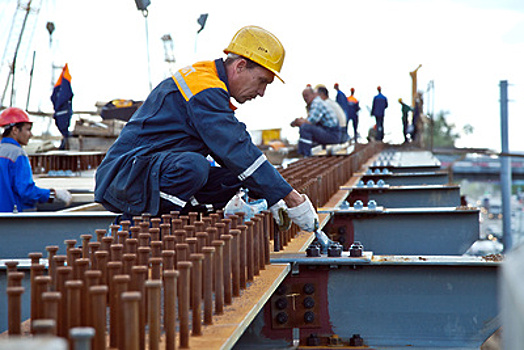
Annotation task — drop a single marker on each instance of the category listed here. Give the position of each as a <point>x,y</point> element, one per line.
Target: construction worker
<point>353,109</point>
<point>18,191</point>
<point>62,99</point>
<point>342,100</point>
<point>158,163</point>
<point>321,125</point>
<point>341,115</point>
<point>378,110</point>
<point>405,122</point>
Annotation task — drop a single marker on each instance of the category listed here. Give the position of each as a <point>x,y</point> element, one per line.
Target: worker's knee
<point>191,168</point>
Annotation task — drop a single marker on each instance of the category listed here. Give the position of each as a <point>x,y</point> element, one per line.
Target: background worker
<point>158,163</point>
<point>321,125</point>
<point>378,110</point>
<point>405,122</point>
<point>18,191</point>
<point>341,115</point>
<point>342,101</point>
<point>62,99</point>
<point>353,109</point>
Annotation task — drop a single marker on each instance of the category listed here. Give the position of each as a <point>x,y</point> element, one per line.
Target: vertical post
<point>130,304</point>
<point>505,169</point>
<point>184,270</point>
<point>219,276</point>
<point>196,292</point>
<point>153,289</point>
<point>208,284</point>
<point>81,337</point>
<point>14,309</point>
<point>98,297</point>
<point>170,279</point>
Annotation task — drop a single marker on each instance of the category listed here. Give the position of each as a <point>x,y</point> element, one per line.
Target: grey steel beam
<point>24,233</point>
<point>408,179</point>
<point>415,302</point>
<point>406,168</point>
<point>406,196</point>
<point>428,231</point>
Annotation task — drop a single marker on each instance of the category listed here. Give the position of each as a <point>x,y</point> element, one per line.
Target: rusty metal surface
<point>65,160</point>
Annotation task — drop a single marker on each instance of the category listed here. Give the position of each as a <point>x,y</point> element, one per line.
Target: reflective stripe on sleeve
<point>173,199</point>
<point>252,168</point>
<point>305,141</point>
<point>183,85</point>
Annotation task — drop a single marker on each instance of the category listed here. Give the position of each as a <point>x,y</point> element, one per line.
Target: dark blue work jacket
<point>189,112</point>
<point>380,103</point>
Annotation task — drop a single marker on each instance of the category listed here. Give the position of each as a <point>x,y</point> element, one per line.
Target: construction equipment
<point>18,43</point>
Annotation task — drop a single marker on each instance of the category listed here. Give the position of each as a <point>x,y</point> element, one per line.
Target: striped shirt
<point>320,113</point>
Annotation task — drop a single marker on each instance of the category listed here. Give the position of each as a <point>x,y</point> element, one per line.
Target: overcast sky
<point>466,47</point>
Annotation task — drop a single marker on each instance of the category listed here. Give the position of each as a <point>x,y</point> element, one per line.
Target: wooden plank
<point>227,328</point>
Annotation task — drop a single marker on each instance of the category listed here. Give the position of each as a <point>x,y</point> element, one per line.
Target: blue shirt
<point>17,186</point>
<point>320,113</point>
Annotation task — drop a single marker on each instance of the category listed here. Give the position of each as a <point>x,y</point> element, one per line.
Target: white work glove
<point>304,215</point>
<point>275,208</point>
<point>63,196</point>
<point>279,211</point>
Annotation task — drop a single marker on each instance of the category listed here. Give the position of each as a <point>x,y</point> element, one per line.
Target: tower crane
<point>24,21</point>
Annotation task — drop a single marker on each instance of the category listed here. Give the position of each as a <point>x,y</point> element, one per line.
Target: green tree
<point>444,132</point>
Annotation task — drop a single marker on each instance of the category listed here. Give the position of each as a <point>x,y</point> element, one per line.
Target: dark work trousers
<point>190,178</point>
<point>312,135</point>
<point>62,121</point>
<point>355,126</point>
<point>380,127</point>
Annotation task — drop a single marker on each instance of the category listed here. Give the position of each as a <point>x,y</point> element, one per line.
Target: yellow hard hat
<point>399,100</point>
<point>260,46</point>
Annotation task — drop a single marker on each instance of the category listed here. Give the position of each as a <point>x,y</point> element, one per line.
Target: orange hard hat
<point>13,115</point>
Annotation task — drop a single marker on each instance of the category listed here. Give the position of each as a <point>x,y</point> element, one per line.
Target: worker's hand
<point>304,215</point>
<point>298,122</point>
<point>279,212</point>
<point>63,196</point>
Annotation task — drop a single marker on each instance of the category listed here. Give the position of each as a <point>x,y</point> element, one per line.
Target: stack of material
<point>95,136</point>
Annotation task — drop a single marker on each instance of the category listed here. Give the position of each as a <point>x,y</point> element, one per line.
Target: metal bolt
<point>313,340</point>
<point>282,289</point>
<point>309,303</point>
<point>356,340</point>
<point>309,288</point>
<point>281,303</point>
<point>313,251</point>
<point>282,318</point>
<point>309,317</point>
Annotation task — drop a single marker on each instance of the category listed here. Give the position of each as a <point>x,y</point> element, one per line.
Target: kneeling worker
<point>321,125</point>
<point>18,191</point>
<point>158,163</point>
